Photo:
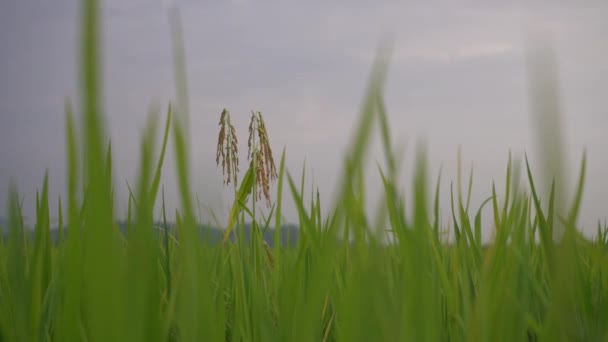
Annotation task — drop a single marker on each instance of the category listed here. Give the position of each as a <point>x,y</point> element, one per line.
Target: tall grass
<point>352,276</point>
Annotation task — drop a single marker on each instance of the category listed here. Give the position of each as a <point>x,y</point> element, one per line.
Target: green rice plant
<point>352,275</point>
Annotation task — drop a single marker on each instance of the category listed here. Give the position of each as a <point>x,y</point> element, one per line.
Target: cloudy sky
<point>457,78</point>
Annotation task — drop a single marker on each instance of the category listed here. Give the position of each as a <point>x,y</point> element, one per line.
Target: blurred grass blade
<point>101,257</point>
<point>545,97</point>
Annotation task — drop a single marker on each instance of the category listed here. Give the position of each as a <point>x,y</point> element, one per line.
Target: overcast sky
<point>457,78</point>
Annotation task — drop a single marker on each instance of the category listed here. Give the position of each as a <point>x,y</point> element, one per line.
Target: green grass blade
<point>159,165</point>
<point>101,257</point>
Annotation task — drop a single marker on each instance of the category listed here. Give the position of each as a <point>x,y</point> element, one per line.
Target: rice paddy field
<point>352,275</point>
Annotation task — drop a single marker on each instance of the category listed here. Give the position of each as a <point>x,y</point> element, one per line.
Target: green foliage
<point>349,278</point>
